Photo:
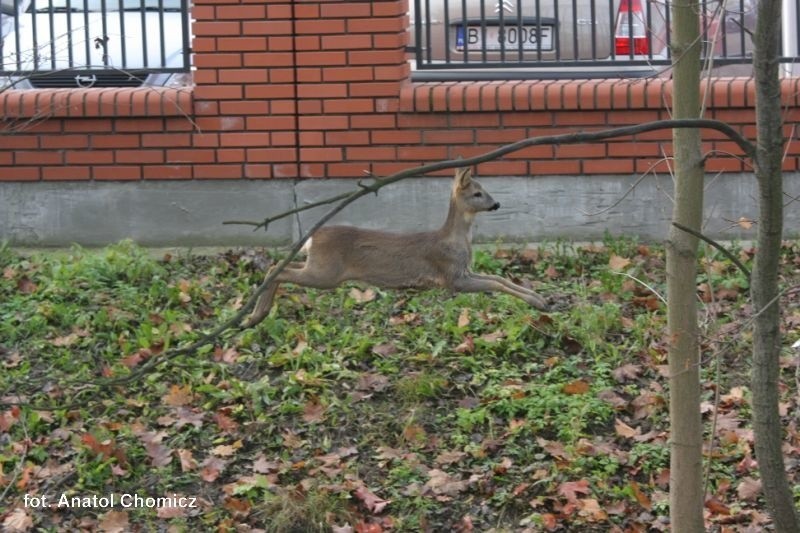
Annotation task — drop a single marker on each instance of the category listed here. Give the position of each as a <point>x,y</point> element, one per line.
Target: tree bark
<point>764,282</point>
<point>686,430</point>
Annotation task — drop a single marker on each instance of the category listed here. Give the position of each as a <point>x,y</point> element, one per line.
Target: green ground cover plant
<point>366,410</point>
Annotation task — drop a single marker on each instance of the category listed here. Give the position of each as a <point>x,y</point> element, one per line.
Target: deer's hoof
<point>539,303</point>
<point>556,303</point>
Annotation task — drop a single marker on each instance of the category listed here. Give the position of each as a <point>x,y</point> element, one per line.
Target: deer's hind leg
<point>306,274</point>
<point>264,303</point>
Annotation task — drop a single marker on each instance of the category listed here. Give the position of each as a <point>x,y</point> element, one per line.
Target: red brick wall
<point>322,89</point>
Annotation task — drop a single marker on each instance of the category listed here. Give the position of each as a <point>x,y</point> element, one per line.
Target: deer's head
<point>469,196</point>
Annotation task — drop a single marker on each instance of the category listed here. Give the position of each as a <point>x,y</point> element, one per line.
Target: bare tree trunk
<point>764,283</point>
<point>686,430</point>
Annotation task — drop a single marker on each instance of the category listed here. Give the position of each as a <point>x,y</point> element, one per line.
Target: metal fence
<point>578,38</point>
<point>68,43</point>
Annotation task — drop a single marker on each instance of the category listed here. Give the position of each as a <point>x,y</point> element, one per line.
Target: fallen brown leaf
<point>749,488</point>
<point>571,489</point>
<point>362,296</point>
<point>624,430</point>
<point>114,522</point>
<point>578,386</point>
<point>618,263</point>
<point>373,503</point>
<point>178,396</point>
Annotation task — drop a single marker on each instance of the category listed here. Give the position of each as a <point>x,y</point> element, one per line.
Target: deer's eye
<point>478,194</point>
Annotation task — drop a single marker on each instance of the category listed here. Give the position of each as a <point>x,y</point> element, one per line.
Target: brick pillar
<point>294,89</point>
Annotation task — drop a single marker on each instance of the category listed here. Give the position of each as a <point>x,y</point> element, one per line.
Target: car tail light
<point>631,26</point>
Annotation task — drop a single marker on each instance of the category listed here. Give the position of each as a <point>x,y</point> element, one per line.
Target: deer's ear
<point>463,177</point>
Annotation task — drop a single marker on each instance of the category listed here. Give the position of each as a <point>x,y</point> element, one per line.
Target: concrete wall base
<point>181,213</point>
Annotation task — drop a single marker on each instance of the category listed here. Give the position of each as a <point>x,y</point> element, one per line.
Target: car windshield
<point>44,6</point>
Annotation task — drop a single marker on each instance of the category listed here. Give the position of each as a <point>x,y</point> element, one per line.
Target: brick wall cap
<point>97,102</point>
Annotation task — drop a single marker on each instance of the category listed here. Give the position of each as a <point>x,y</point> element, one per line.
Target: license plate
<point>529,36</point>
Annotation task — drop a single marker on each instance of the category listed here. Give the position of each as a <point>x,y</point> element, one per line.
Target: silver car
<point>93,43</point>
<point>565,38</point>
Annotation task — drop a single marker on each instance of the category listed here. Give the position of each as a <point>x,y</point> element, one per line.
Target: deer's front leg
<point>533,298</point>
<point>478,283</point>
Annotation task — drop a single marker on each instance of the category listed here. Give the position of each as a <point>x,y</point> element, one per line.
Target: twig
<point>267,221</point>
<point>716,245</point>
<point>643,284</point>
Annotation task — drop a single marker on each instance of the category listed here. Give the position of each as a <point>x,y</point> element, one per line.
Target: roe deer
<point>428,259</point>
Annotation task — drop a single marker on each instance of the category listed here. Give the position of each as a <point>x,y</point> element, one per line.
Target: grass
<point>384,411</point>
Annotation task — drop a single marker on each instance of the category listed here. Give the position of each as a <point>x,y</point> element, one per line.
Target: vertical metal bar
<point>51,33</point>
<point>34,28</point>
<point>575,46</point>
<point>483,31</point>
<point>668,11</point>
<point>162,33</point>
<point>724,27</point>
<point>704,28</point>
<point>122,33</point>
<point>18,16</point>
<point>520,40</point>
<point>593,17</point>
<point>446,32</point>
<point>796,56</point>
<point>612,34</point>
<point>464,31</point>
<point>187,62</point>
<point>104,12</point>
<point>502,31</point>
<point>70,53</point>
<point>648,33</point>
<point>417,30</point>
<point>143,14</point>
<point>556,31</point>
<point>428,44</point>
<point>631,45</point>
<point>539,31</point>
<point>86,41</point>
<point>742,40</point>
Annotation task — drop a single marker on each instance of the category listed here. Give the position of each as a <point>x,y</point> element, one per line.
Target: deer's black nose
<point>495,207</point>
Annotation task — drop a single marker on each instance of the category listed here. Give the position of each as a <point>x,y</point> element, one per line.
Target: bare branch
<point>565,138</point>
<point>727,253</point>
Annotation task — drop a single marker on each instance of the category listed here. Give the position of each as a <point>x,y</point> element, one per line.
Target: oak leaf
<point>188,462</point>
<point>373,503</point>
<point>313,412</point>
<point>212,467</point>
<point>571,489</point>
<point>624,430</point>
<point>626,372</point>
<point>618,263</point>
<point>114,522</point>
<point>442,483</point>
<point>749,488</point>
<point>226,450</point>
<point>178,396</point>
<point>18,521</point>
